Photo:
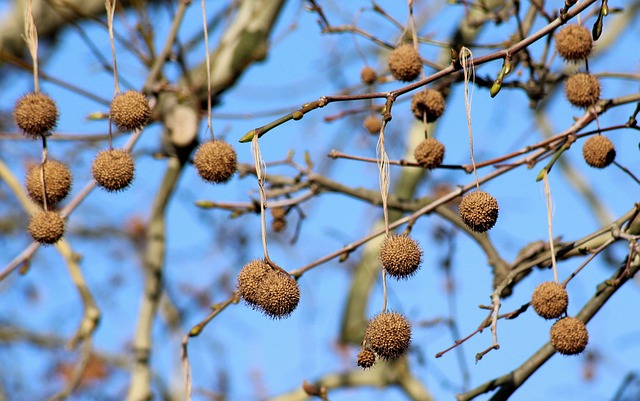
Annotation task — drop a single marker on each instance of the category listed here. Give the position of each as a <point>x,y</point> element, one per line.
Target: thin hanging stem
<point>547,195</point>
<point>469,72</point>
<point>384,177</point>
<point>260,168</point>
<point>31,38</point>
<point>207,59</point>
<point>110,5</point>
<point>42,173</point>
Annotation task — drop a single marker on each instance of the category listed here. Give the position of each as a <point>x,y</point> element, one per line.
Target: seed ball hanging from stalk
<point>400,256</point>
<point>113,169</point>
<point>429,102</point>
<point>46,227</point>
<point>216,161</point>
<point>57,178</point>
<point>429,153</point>
<point>366,358</point>
<point>574,42</point>
<point>368,75</point>
<point>35,114</point>
<point>569,336</point>
<point>405,63</point>
<point>598,151</point>
<point>550,300</point>
<point>372,124</point>
<point>130,110</point>
<point>582,90</point>
<point>479,211</point>
<point>388,335</point>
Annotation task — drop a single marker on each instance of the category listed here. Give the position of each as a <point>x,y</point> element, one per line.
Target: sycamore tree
<point>280,200</point>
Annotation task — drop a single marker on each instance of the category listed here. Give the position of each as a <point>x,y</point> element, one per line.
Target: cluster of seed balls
<point>568,335</point>
<point>268,289</point>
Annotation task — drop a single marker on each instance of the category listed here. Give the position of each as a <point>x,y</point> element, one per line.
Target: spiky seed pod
<point>429,153</point>
<point>569,336</point>
<point>113,169</point>
<point>372,124</point>
<point>405,63</point>
<point>598,151</point>
<point>216,161</point>
<point>57,178</point>
<point>46,227</point>
<point>550,300</point>
<point>429,102</point>
<point>400,255</point>
<point>479,211</point>
<point>366,358</point>
<point>574,42</point>
<point>582,90</point>
<point>250,281</point>
<point>130,110</point>
<point>35,114</point>
<point>388,335</point>
<point>368,75</point>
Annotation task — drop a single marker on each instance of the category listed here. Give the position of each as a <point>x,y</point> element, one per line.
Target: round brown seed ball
<point>569,336</point>
<point>598,151</point>
<point>216,161</point>
<point>574,42</point>
<point>550,300</point>
<point>400,256</point>
<point>372,124</point>
<point>388,335</point>
<point>113,169</point>
<point>429,153</point>
<point>368,75</point>
<point>429,102</point>
<point>250,281</point>
<point>582,90</point>
<point>35,114</point>
<point>130,110</point>
<point>57,178</point>
<point>479,211</point>
<point>405,63</point>
<point>46,227</point>
<point>366,358</point>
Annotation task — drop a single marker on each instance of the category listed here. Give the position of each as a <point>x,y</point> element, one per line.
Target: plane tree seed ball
<point>130,110</point>
<point>582,90</point>
<point>216,161</point>
<point>372,124</point>
<point>479,211</point>
<point>366,358</point>
<point>550,300</point>
<point>598,151</point>
<point>405,63</point>
<point>368,75</point>
<point>400,256</point>
<point>388,335</point>
<point>429,153</point>
<point>429,102</point>
<point>250,281</point>
<point>57,178</point>
<point>113,169</point>
<point>46,227</point>
<point>35,114</point>
<point>574,42</point>
<point>569,336</point>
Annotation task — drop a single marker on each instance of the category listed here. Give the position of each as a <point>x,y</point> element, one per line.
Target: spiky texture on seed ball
<point>57,178</point>
<point>388,335</point>
<point>479,211</point>
<point>269,290</point>
<point>550,300</point>
<point>598,151</point>
<point>113,169</point>
<point>582,90</point>
<point>429,102</point>
<point>46,227</point>
<point>400,256</point>
<point>372,124</point>
<point>216,161</point>
<point>130,110</point>
<point>574,42</point>
<point>429,153</point>
<point>405,63</point>
<point>569,336</point>
<point>35,114</point>
<point>368,75</point>
<point>366,358</point>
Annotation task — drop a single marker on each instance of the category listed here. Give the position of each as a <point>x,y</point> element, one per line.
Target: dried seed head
<point>35,114</point>
<point>569,336</point>
<point>113,169</point>
<point>372,124</point>
<point>550,300</point>
<point>130,110</point>
<point>366,358</point>
<point>405,63</point>
<point>400,256</point>
<point>582,90</point>
<point>368,75</point>
<point>388,335</point>
<point>429,153</point>
<point>57,178</point>
<point>216,161</point>
<point>46,227</point>
<point>250,281</point>
<point>429,102</point>
<point>479,211</point>
<point>574,42</point>
<point>598,151</point>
